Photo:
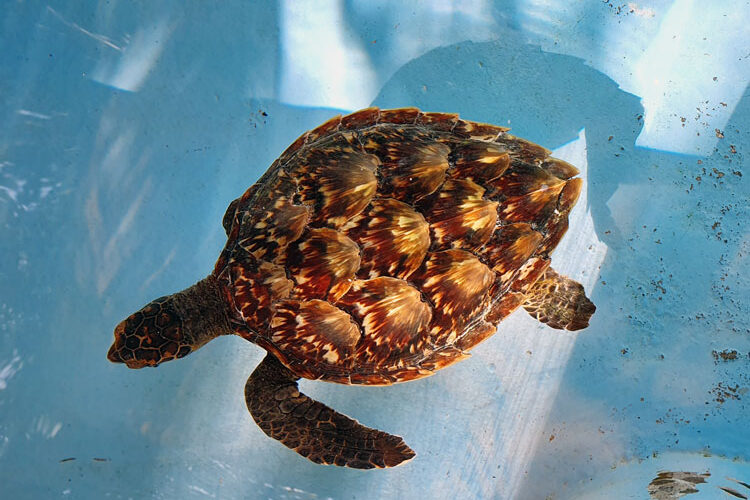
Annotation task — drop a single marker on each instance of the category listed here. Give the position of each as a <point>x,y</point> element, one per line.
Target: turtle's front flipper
<point>312,429</point>
<point>559,301</point>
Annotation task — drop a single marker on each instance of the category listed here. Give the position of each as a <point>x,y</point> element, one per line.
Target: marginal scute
<point>359,119</point>
<point>524,178</point>
<point>326,128</point>
<point>394,319</point>
<point>557,225</point>
<point>399,115</point>
<point>284,186</point>
<point>569,195</point>
<point>460,216</point>
<point>293,148</point>
<point>315,332</point>
<point>522,149</point>
<point>554,230</point>
<point>338,181</point>
<point>536,206</point>
<point>442,358</point>
<point>378,376</point>
<point>392,236</point>
<point>410,372</point>
<point>443,122</point>
<point>530,193</point>
<point>322,263</point>
<point>506,304</point>
<point>456,283</point>
<point>477,131</point>
<point>529,274</point>
<point>476,334</point>
<point>559,168</point>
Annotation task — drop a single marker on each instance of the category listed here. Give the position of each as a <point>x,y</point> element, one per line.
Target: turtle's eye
<point>149,337</point>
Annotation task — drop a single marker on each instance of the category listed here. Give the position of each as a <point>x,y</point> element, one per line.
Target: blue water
<point>127,128</point>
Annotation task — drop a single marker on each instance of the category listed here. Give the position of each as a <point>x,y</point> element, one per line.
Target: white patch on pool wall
<point>129,68</point>
<point>322,64</point>
<point>692,76</point>
<point>129,62</point>
<point>532,383</point>
<point>46,427</point>
<point>670,54</point>
<point>10,369</point>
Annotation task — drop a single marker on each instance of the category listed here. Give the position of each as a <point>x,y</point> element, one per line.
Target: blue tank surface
<point>128,127</point>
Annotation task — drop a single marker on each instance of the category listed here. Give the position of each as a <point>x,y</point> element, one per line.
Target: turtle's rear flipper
<point>312,429</point>
<point>559,301</point>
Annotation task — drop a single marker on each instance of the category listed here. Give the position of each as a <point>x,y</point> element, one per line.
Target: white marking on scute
<point>363,187</point>
<point>331,357</point>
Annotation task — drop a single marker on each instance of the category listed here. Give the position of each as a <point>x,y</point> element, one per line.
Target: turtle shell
<point>383,245</point>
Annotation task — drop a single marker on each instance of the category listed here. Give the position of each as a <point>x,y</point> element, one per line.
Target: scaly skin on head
<point>171,327</point>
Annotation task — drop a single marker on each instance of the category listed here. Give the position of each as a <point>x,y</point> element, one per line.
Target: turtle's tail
<point>172,327</point>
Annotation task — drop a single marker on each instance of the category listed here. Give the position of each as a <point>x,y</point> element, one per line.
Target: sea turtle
<point>378,248</point>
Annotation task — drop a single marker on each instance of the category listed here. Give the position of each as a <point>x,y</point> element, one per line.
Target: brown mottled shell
<point>383,245</point>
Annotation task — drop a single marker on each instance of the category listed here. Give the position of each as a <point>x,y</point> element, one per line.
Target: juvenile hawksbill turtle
<point>378,248</point>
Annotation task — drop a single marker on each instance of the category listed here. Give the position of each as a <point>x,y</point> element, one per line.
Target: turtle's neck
<point>173,326</point>
<point>203,310</point>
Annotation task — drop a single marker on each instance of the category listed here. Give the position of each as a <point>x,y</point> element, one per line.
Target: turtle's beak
<point>115,353</point>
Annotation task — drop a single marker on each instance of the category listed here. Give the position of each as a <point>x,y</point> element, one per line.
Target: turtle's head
<point>150,336</point>
<point>171,327</point>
